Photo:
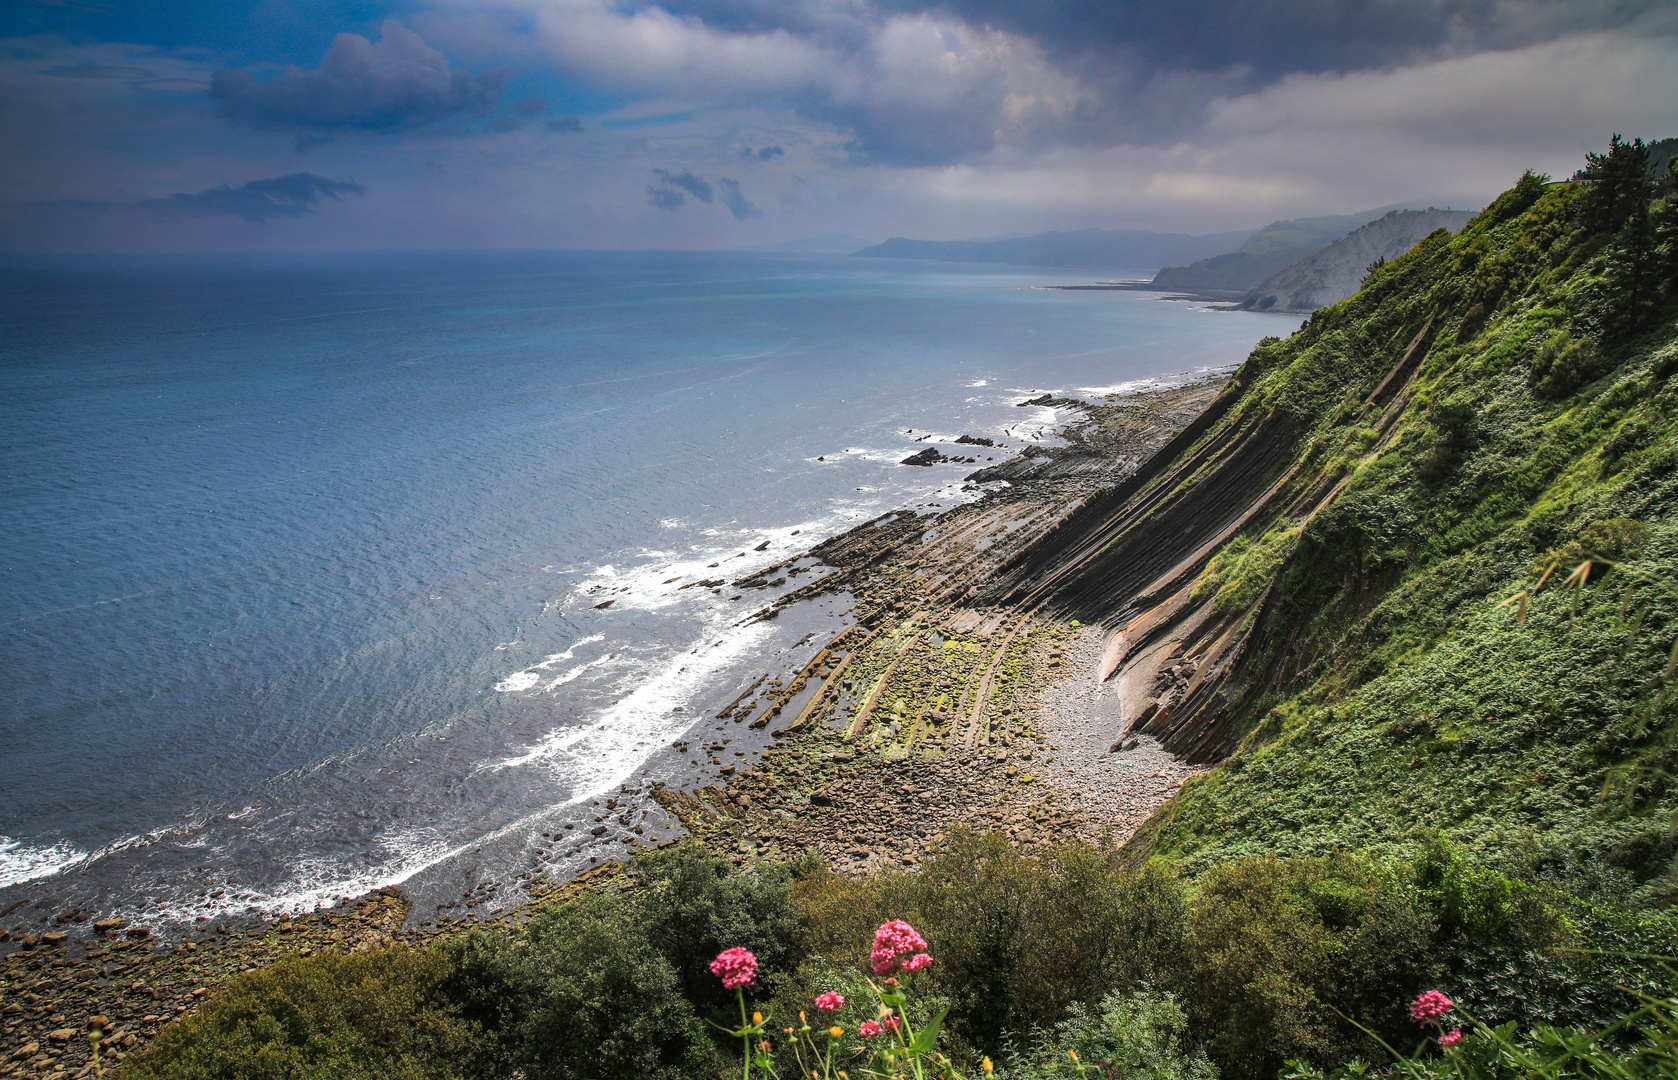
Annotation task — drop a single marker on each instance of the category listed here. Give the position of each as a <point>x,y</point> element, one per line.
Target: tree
<point>1618,185</point>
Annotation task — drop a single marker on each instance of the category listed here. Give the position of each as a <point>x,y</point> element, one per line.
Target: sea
<point>326,573</point>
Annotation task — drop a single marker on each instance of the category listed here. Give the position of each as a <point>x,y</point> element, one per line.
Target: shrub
<point>579,991</point>
<point>380,1014</point>
<point>1018,940</point>
<point>693,904</point>
<point>1281,949</point>
<point>1138,1036</point>
<point>1562,364</point>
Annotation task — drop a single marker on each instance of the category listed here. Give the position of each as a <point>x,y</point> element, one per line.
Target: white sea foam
<point>979,382</point>
<point>1131,387</point>
<point>20,862</point>
<point>517,681</point>
<point>565,677</point>
<point>620,737</point>
<point>317,882</point>
<point>530,676</point>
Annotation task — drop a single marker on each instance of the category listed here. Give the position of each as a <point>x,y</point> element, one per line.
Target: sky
<point>297,125</point>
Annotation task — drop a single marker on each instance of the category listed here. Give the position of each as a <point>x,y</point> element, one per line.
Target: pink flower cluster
<point>892,942</point>
<point>1430,1006</point>
<point>1451,1038</point>
<point>869,1029</point>
<point>830,1002</point>
<point>735,967</point>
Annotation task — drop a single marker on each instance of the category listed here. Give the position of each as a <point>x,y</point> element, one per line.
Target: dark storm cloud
<point>1275,37</point>
<point>671,190</point>
<point>665,198</point>
<point>741,207</point>
<point>257,201</point>
<point>394,84</point>
<point>1142,72</point>
<point>688,182</point>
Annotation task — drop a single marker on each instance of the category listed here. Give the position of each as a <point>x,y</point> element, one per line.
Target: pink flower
<point>869,1029</point>
<point>891,941</point>
<point>1451,1038</point>
<point>1429,1007</point>
<point>892,1022</point>
<point>735,967</point>
<point>830,1002</point>
<point>917,962</point>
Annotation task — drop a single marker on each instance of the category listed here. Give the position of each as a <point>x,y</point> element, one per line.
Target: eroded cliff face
<point>1336,272</point>
<point>1324,552</point>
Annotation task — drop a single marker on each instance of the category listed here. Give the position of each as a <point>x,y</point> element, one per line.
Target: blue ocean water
<point>303,555</point>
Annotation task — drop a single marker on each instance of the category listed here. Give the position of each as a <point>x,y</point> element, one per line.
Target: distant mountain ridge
<point>1337,271</point>
<point>1117,248</point>
<point>839,244</point>
<point>1270,250</point>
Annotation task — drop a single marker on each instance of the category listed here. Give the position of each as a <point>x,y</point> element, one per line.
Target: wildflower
<point>735,967</point>
<point>830,1002</point>
<point>764,1046</point>
<point>917,961</point>
<point>1073,1054</point>
<point>757,1018</point>
<point>987,1066</point>
<point>869,1029</point>
<point>835,1031</point>
<point>891,942</point>
<point>892,1022</point>
<point>1429,1007</point>
<point>1451,1038</point>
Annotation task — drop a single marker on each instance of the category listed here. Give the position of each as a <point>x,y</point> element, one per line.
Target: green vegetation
<point>374,1015</point>
<point>1537,431</point>
<point>1255,962</point>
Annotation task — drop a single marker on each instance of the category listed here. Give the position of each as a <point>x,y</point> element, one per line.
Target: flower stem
<point>746,1036</point>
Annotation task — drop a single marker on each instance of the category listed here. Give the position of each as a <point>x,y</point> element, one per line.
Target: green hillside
<point>1388,689</point>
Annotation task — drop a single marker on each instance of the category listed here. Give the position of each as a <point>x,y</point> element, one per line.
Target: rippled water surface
<point>303,557</point>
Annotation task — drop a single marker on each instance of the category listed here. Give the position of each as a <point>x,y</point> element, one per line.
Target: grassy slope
<point>1393,697</point>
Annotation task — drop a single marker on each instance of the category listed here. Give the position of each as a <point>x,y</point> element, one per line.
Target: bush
<point>1017,940</point>
<point>1562,364</point>
<point>1138,1036</point>
<point>379,1015</point>
<point>693,904</point>
<point>614,984</point>
<point>1281,949</point>
<point>579,991</point>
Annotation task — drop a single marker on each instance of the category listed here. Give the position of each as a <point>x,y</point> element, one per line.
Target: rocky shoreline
<point>925,714</point>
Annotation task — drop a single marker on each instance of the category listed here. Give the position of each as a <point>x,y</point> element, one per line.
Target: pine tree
<point>1617,183</point>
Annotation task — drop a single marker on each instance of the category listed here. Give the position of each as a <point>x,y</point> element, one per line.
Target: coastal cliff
<point>1285,696</point>
<point>1308,586</point>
